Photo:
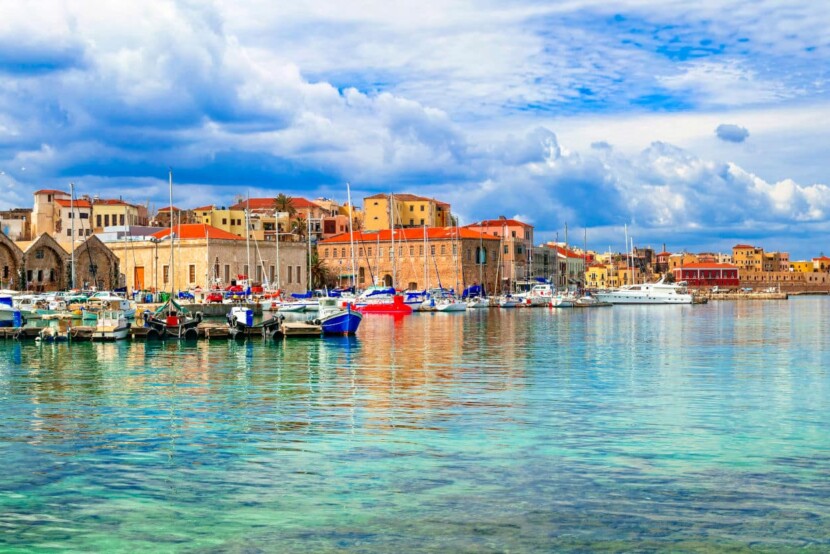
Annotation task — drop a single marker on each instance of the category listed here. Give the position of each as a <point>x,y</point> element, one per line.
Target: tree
<point>320,274</point>
<point>284,203</point>
<point>299,227</point>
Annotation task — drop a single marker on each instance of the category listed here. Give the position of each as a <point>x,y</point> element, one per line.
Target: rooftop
<point>76,204</point>
<point>413,235</point>
<point>499,223</point>
<point>192,231</point>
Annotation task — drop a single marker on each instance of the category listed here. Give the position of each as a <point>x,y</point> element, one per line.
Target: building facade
<point>516,239</point>
<point>708,275</point>
<point>414,259</point>
<point>406,210</point>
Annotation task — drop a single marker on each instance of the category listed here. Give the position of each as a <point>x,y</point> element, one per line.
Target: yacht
<point>647,293</point>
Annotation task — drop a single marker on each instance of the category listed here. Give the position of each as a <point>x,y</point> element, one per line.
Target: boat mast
<point>392,236</point>
<point>627,254</point>
<point>172,241</point>
<point>248,242</point>
<point>351,235</point>
<point>567,261</point>
<point>426,270</point>
<point>277,240</point>
<point>308,232</point>
<point>72,223</point>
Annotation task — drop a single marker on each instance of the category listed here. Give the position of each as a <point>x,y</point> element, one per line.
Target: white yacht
<point>647,293</point>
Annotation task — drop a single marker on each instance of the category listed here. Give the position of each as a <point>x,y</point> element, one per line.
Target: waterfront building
<point>661,264</point>
<point>205,257</point>
<point>452,258</point>
<point>821,264</point>
<point>803,266</point>
<point>748,258</point>
<point>708,275</point>
<point>46,212</point>
<point>180,217</point>
<point>516,243</point>
<point>16,223</point>
<point>569,265</point>
<point>44,264</point>
<point>409,210</point>
<point>682,259</point>
<point>776,261</point>
<point>601,276</point>
<point>11,263</point>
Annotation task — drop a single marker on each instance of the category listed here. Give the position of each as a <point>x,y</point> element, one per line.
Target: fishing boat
<point>111,325</point>
<point>337,320</point>
<point>99,299</point>
<point>172,320</point>
<point>241,324</point>
<point>395,306</point>
<point>57,331</point>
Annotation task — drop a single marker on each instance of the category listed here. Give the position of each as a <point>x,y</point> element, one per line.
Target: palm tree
<point>284,203</point>
<point>299,227</point>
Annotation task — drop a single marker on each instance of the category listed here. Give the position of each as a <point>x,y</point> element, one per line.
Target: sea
<point>620,429</point>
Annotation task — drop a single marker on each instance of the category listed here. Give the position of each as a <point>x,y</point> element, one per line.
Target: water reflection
<point>430,432</point>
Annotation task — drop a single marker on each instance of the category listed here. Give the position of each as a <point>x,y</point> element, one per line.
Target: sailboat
<point>178,322</point>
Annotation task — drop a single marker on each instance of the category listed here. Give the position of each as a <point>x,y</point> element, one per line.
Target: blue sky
<point>698,125</point>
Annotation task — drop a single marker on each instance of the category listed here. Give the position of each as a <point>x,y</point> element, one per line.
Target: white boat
<point>111,325</point>
<point>10,316</point>
<point>478,302</point>
<point>105,300</point>
<point>563,300</point>
<point>589,301</point>
<point>539,295</point>
<point>508,301</point>
<point>647,293</point>
<point>450,305</point>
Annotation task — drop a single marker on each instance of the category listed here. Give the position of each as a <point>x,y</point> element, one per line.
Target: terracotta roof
<point>77,203</point>
<point>664,254</point>
<point>743,246</point>
<point>197,231</point>
<point>499,223</point>
<point>707,265</point>
<point>111,202</point>
<point>204,208</point>
<point>167,209</point>
<point>821,259</point>
<point>411,234</point>
<point>565,252</point>
<point>405,196</point>
<point>297,203</point>
<point>50,191</point>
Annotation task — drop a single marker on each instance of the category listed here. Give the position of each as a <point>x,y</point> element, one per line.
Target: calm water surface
<point>691,428</point>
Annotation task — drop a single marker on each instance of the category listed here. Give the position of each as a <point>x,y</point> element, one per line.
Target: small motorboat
<point>241,324</point>
<point>337,320</point>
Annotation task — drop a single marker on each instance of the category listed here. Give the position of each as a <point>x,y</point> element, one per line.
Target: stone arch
<point>11,262</point>
<point>96,265</point>
<point>387,280</point>
<point>45,265</point>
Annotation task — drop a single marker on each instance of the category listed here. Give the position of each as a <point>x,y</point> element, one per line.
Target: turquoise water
<point>681,428</point>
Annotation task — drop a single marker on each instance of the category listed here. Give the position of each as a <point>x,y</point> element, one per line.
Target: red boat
<point>396,307</point>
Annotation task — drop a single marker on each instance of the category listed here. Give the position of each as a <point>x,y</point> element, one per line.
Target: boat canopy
<point>474,290</point>
<point>163,308</point>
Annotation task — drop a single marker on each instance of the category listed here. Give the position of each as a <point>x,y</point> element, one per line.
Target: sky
<point>696,125</point>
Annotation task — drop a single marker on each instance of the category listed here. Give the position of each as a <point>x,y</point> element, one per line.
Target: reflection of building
<point>517,242</point>
<point>207,256</point>
<point>409,210</point>
<point>451,258</point>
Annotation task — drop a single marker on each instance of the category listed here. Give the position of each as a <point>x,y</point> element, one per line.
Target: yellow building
<point>680,260</point>
<point>596,277</point>
<point>111,213</point>
<point>408,210</point>
<point>748,258</point>
<point>801,267</point>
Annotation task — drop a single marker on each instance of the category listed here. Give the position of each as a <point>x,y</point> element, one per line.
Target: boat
<point>588,300</point>
<point>647,293</point>
<point>97,300</point>
<point>241,324</point>
<point>172,320</point>
<point>508,301</point>
<point>111,325</point>
<point>478,302</point>
<point>566,299</point>
<point>337,320</point>
<point>539,295</point>
<point>59,332</point>
<point>10,316</point>
<point>395,306</point>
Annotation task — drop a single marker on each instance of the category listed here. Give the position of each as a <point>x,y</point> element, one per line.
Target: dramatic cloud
<point>731,133</point>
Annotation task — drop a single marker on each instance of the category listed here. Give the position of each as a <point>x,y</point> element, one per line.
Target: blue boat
<point>336,320</point>
<point>9,315</point>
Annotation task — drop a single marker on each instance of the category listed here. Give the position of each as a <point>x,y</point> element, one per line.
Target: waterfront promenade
<point>670,428</point>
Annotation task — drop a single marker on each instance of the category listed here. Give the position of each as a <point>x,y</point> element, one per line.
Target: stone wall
<point>11,259</point>
<point>45,265</point>
<point>786,281</point>
<point>96,266</point>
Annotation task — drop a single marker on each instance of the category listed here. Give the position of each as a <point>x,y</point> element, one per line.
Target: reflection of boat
<point>647,293</point>
<point>336,320</point>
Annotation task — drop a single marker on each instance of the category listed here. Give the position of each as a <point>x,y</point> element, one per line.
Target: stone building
<point>11,262</point>
<point>96,265</point>
<point>421,258</point>
<point>205,257</point>
<point>517,242</point>
<point>45,265</point>
<point>406,210</point>
<point>16,223</point>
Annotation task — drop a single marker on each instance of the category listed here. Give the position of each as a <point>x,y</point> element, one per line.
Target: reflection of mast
<point>351,235</point>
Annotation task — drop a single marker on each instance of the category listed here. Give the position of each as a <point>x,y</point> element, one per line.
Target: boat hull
<point>345,323</point>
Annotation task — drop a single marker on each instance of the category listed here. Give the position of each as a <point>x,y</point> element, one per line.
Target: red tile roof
<point>197,231</point>
<point>664,254</point>
<point>411,234</point>
<point>50,191</point>
<point>111,202</point>
<point>204,208</point>
<point>821,259</point>
<point>298,203</point>
<point>166,209</point>
<point>499,223</point>
<point>66,203</point>
<point>743,247</point>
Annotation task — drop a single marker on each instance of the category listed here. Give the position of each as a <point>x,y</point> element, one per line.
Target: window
<point>69,232</point>
<point>411,250</point>
<point>247,276</point>
<point>342,252</point>
<point>121,217</point>
<point>412,222</point>
<point>5,272</point>
<point>39,254</point>
<point>360,252</point>
<point>224,221</point>
<point>165,272</point>
<point>93,269</point>
<point>443,249</point>
<point>299,278</point>
<point>98,220</point>
<point>191,270</point>
<point>106,220</point>
<point>227,273</point>
<point>421,250</point>
<point>334,252</point>
<point>391,253</point>
<point>513,234</point>
<point>411,208</point>
<point>422,209</point>
<point>454,249</point>
<point>432,249</point>
<point>506,249</point>
<point>290,275</point>
<point>369,251</point>
<point>325,252</point>
<point>88,232</point>
<point>273,278</point>
<point>259,273</point>
<point>422,221</point>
